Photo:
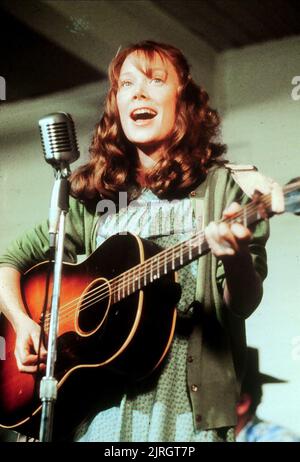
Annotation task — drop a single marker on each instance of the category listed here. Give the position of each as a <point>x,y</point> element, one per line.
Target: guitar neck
<point>181,254</point>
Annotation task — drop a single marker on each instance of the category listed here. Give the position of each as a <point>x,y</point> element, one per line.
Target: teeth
<point>143,111</point>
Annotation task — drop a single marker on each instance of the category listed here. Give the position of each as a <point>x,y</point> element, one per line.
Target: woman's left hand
<point>226,239</point>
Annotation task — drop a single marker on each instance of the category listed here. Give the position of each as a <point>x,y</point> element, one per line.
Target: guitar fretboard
<point>181,254</point>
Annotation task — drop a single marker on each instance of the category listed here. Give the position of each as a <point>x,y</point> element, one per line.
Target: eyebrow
<point>125,73</point>
<point>147,71</point>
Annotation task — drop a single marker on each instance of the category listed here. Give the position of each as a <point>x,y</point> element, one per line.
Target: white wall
<point>261,125</point>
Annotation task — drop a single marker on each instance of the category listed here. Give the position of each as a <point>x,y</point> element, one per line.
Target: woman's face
<point>146,100</point>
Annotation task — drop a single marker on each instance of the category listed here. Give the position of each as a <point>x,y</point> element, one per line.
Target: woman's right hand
<point>27,343</point>
<point>27,331</point>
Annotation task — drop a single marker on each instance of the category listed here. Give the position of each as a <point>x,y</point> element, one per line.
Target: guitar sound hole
<point>94,307</point>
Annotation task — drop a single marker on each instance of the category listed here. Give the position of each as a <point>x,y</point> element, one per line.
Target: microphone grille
<point>58,138</point>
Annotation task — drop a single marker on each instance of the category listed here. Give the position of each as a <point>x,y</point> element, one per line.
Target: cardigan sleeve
<point>32,247</point>
<point>260,235</point>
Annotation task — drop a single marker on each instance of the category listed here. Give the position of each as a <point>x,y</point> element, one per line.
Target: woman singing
<point>157,142</point>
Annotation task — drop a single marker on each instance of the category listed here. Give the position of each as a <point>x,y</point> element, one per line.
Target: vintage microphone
<point>58,138</point>
<point>60,149</point>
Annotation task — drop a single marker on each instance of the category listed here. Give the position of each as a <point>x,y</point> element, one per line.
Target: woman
<point>157,142</point>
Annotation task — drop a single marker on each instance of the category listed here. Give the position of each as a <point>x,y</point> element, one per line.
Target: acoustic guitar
<point>117,310</point>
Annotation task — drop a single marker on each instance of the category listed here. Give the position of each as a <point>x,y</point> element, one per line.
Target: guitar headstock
<point>292,196</point>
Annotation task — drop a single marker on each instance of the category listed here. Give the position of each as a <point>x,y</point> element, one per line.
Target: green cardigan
<point>217,344</point>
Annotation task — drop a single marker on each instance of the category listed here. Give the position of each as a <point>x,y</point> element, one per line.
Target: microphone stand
<point>58,211</point>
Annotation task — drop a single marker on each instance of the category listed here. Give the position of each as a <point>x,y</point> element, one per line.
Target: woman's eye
<point>125,83</point>
<point>157,80</point>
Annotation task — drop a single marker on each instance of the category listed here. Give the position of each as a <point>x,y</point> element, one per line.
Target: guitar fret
<point>118,291</point>
<point>157,269</point>
<point>153,275</point>
<point>128,284</point>
<point>190,250</point>
<point>181,255</point>
<point>123,285</point>
<point>173,262</point>
<point>165,263</point>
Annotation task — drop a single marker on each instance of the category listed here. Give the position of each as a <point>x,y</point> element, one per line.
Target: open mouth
<point>143,114</point>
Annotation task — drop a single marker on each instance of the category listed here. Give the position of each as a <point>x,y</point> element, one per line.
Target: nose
<point>141,90</point>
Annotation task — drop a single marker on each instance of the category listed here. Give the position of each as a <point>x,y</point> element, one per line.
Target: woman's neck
<point>147,162</point>
<point>148,159</point>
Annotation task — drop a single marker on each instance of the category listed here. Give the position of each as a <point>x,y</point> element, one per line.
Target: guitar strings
<point>145,267</point>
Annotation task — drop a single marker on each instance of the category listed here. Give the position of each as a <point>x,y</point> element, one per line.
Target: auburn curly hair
<point>191,148</point>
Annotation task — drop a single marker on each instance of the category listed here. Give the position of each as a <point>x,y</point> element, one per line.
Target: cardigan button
<point>190,359</point>
<point>198,418</point>
<point>194,388</point>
